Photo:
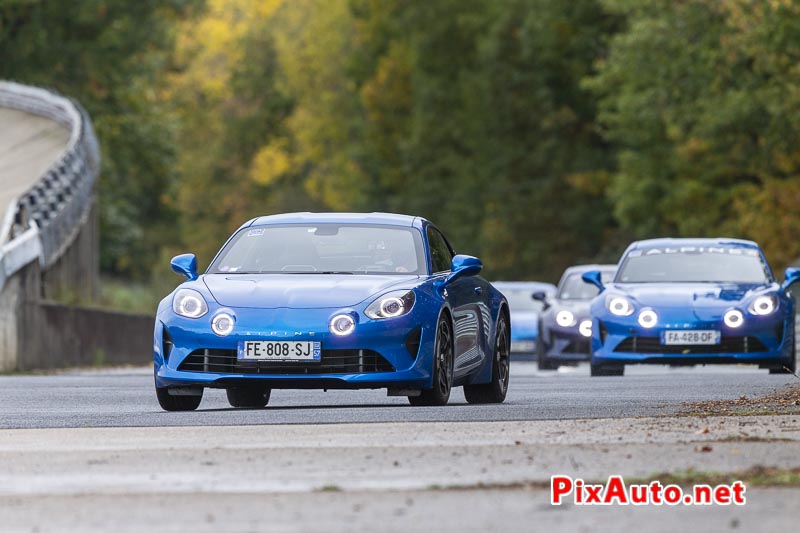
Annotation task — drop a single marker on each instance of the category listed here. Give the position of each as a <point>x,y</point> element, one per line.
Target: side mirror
<point>463,266</point>
<point>185,265</point>
<point>541,296</point>
<point>790,276</point>
<point>595,278</point>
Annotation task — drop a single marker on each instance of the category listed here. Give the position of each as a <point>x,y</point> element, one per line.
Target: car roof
<point>388,219</point>
<point>525,285</point>
<point>587,268</point>
<point>691,241</point>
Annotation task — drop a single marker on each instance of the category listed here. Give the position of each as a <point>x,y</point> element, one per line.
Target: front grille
<point>726,345</point>
<point>577,346</point>
<point>332,362</point>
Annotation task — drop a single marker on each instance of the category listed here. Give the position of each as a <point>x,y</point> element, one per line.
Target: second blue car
<point>693,301</point>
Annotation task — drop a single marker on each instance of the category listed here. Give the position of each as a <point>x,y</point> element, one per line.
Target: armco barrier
<point>49,242</point>
<point>43,222</point>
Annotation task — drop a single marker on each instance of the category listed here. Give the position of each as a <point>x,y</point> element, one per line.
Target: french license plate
<point>280,351</point>
<point>691,337</point>
<point>522,346</point>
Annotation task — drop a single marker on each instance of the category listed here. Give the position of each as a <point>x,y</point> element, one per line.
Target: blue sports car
<point>321,301</point>
<point>692,301</point>
<point>565,326</point>
<point>524,314</point>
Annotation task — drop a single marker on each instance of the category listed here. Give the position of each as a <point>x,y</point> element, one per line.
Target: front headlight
<point>619,305</point>
<point>391,305</point>
<point>648,318</point>
<point>565,318</point>
<point>189,303</point>
<point>733,318</point>
<point>763,305</point>
<point>222,324</point>
<point>342,325</point>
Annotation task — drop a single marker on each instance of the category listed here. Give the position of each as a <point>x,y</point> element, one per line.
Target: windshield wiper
<point>255,272</point>
<point>321,272</point>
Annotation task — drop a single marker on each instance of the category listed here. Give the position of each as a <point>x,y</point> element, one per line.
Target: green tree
<point>109,55</point>
<point>236,157</point>
<point>700,98</point>
<point>466,112</point>
<point>542,162</point>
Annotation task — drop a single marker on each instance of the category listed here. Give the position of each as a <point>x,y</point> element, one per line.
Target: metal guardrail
<point>42,222</point>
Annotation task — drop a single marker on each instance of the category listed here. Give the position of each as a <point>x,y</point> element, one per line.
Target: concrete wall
<point>37,333</point>
<point>24,286</point>
<point>74,275</point>
<point>49,245</point>
<point>53,335</point>
<point>9,303</point>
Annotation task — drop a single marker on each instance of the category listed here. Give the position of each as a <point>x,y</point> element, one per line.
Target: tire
<point>542,361</point>
<point>442,372</point>
<point>494,391</point>
<point>168,402</point>
<point>248,396</point>
<point>792,366</point>
<point>607,370</point>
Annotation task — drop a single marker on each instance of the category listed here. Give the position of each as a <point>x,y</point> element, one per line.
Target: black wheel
<point>168,402</point>
<point>494,391</point>
<point>439,393</point>
<point>792,366</point>
<point>542,361</point>
<point>248,396</point>
<point>607,370</point>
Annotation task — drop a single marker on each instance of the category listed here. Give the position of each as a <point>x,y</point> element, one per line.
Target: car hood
<point>697,295</point>
<point>578,307</point>
<point>300,291</point>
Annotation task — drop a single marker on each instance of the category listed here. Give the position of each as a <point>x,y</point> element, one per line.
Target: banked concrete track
<point>49,239</point>
<point>29,146</point>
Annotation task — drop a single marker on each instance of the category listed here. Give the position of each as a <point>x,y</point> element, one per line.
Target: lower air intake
<point>726,345</point>
<point>218,361</point>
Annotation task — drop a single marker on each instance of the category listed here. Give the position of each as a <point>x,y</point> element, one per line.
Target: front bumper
<point>394,353</point>
<point>567,344</point>
<point>525,346</point>
<point>766,341</point>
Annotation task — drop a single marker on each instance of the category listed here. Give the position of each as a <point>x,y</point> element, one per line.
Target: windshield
<point>520,299</point>
<point>717,265</point>
<point>322,248</point>
<point>574,288</point>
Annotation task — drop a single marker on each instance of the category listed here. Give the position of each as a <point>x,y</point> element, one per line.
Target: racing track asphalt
<point>125,397</point>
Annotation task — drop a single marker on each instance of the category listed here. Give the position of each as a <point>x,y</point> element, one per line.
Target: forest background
<point>536,133</point>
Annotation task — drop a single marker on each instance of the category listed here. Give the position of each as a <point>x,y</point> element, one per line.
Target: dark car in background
<point>565,324</point>
<point>525,311</point>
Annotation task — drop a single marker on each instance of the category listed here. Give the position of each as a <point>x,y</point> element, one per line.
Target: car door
<point>464,296</point>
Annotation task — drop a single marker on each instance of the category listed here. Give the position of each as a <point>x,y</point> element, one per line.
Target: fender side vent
<point>166,343</point>
<point>412,341</point>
